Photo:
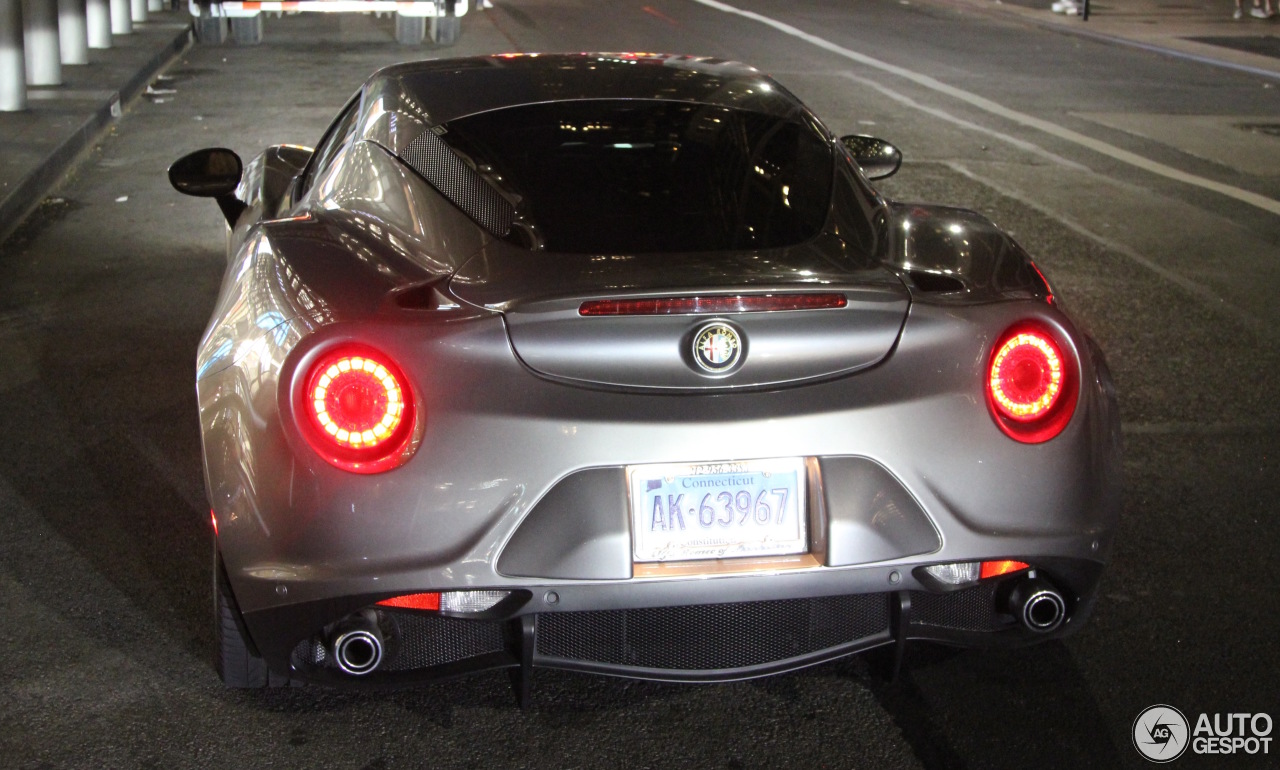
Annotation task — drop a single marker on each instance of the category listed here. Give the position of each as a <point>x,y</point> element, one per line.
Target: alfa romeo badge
<point>717,348</point>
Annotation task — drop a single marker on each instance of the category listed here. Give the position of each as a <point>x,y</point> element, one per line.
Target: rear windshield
<point>630,176</point>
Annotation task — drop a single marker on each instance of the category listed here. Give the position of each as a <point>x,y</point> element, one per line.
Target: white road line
<point>1205,296</point>
<point>982,103</point>
<point>1021,144</point>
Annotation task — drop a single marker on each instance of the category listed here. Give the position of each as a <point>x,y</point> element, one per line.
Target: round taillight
<point>359,410</point>
<point>1030,385</point>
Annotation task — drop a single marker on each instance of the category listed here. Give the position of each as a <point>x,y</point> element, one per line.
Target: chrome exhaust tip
<point>1037,605</point>
<point>357,646</point>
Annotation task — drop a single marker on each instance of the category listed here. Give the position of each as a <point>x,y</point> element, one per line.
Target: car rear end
<point>761,439</point>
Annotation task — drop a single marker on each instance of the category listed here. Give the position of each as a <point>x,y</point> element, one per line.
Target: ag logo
<point>717,348</point>
<point>1160,733</point>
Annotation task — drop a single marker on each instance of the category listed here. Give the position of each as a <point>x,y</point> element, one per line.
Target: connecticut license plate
<point>722,510</point>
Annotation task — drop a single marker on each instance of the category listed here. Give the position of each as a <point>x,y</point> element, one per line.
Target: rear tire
<point>235,659</point>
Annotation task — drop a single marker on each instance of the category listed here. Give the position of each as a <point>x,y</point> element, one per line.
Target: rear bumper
<point>721,641</point>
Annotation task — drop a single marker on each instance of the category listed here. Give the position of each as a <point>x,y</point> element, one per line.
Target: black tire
<point>235,658</point>
<point>445,30</point>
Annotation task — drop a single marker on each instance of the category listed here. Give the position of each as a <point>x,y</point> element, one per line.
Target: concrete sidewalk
<point>39,145</point>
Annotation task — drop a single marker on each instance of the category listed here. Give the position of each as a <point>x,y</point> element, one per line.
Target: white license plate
<point>686,511</point>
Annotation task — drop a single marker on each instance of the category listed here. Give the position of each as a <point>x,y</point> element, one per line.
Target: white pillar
<point>155,6</point>
<point>98,19</point>
<point>13,65</point>
<point>121,19</point>
<point>73,35</point>
<point>138,11</point>
<point>40,28</point>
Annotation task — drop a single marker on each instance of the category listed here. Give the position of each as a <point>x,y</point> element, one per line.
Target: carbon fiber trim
<point>462,185</point>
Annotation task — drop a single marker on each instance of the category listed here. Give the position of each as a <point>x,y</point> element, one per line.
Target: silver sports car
<point>616,363</point>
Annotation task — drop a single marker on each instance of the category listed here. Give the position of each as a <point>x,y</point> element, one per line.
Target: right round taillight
<point>1031,384</point>
<point>358,410</point>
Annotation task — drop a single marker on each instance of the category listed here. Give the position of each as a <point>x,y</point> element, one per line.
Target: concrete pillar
<point>13,64</point>
<point>98,19</point>
<point>155,6</point>
<point>138,11</point>
<point>121,18</point>
<point>73,34</point>
<point>40,27</point>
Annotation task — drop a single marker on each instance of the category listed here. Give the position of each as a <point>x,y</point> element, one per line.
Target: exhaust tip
<point>1038,605</point>
<point>358,652</point>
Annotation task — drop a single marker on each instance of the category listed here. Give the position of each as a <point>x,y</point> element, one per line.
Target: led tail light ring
<point>1031,384</point>
<point>358,410</point>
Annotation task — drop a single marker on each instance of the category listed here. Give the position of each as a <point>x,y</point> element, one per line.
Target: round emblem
<point>1160,733</point>
<point>717,348</point>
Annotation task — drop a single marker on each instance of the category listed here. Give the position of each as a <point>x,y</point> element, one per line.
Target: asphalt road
<point>105,631</point>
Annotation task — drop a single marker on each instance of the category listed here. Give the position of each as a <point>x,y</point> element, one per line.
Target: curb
<point>27,194</point>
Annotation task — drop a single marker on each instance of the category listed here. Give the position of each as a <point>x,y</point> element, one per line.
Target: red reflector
<point>997,568</point>
<point>214,518</point>
<point>413,602</point>
<point>758,303</point>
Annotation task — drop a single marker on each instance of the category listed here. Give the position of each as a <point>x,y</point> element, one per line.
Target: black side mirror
<point>877,158</point>
<point>210,173</point>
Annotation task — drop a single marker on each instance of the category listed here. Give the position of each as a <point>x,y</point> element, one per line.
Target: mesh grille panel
<point>461,184</point>
<point>418,640</point>
<point>969,609</point>
<point>714,636</point>
<point>429,640</point>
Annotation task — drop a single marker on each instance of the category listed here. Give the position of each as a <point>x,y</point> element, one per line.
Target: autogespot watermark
<point>1161,734</point>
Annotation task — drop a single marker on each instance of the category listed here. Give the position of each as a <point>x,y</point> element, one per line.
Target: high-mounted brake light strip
<point>751,303</point>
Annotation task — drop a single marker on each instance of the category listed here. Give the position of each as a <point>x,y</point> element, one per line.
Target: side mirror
<point>877,158</point>
<point>210,173</point>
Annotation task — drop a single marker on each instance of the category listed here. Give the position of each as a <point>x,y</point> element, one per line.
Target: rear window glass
<point>619,176</point>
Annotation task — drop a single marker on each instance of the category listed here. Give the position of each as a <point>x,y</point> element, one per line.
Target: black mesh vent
<point>429,640</point>
<point>418,640</point>
<point>969,609</point>
<point>461,184</point>
<point>713,636</point>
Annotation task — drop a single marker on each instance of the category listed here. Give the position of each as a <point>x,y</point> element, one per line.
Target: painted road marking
<point>994,108</point>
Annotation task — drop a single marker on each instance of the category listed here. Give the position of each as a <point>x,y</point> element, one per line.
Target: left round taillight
<point>359,410</point>
<point>1031,384</point>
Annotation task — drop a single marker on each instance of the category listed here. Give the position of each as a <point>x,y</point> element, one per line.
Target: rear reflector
<point>413,602</point>
<point>758,303</point>
<point>997,568</point>
<point>447,601</point>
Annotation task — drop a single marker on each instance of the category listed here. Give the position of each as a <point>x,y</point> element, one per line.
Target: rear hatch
<point>700,321</point>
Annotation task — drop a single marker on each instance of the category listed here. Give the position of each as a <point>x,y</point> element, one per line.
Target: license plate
<point>686,511</point>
